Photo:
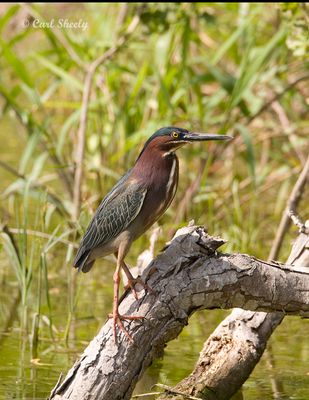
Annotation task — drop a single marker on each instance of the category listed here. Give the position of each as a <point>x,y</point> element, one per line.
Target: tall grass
<point>211,67</point>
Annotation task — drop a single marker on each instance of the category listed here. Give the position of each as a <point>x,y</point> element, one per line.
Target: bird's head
<point>171,138</point>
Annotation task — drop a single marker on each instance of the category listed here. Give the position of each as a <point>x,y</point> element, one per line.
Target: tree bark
<point>232,351</point>
<point>188,276</point>
<point>228,356</point>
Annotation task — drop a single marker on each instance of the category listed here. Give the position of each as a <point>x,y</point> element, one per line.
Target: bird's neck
<point>155,167</point>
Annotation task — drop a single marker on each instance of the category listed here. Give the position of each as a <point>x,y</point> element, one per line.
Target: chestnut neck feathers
<point>155,165</point>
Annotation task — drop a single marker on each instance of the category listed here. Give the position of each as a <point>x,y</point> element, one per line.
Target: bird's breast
<point>161,182</point>
<point>162,189</point>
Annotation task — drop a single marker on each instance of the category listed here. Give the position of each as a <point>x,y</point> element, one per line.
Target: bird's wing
<point>115,213</point>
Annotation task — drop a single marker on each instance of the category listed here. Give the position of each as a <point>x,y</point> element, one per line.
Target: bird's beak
<point>199,137</point>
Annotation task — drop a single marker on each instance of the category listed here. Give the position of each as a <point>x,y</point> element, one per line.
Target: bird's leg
<point>133,281</point>
<point>117,318</point>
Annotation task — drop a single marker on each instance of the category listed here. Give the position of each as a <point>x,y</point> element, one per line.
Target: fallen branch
<point>190,275</point>
<point>235,347</point>
<point>228,356</point>
<point>237,344</point>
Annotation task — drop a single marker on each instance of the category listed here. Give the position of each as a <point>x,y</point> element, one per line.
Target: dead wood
<point>188,276</point>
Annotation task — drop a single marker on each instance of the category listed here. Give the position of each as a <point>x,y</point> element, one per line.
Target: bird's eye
<point>175,135</point>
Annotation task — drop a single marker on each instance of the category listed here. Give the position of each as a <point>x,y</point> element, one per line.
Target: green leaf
<point>71,120</point>
<point>7,16</point>
<point>17,64</point>
<point>29,150</point>
<point>60,72</point>
<point>142,73</point>
<point>13,256</point>
<point>38,166</point>
<point>232,39</point>
<point>252,61</point>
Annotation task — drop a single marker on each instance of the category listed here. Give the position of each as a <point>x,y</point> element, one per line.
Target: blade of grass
<point>250,158</point>
<point>18,65</point>
<point>67,78</point>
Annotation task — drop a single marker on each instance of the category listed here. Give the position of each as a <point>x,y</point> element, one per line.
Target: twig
<point>177,392</point>
<point>81,134</point>
<point>122,14</point>
<point>138,396</point>
<point>297,221</point>
<point>80,149</point>
<point>276,97</point>
<point>289,211</point>
<point>11,170</point>
<point>287,129</point>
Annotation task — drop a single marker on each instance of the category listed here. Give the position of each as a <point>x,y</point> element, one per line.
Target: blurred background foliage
<point>239,69</point>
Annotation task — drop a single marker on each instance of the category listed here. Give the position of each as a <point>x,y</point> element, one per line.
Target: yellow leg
<point>117,318</point>
<point>133,281</point>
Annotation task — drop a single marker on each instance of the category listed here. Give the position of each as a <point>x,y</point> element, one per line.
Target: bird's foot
<point>117,321</point>
<point>133,281</point>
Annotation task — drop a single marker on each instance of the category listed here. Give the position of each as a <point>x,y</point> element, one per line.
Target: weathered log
<point>232,351</point>
<point>228,356</point>
<point>188,276</point>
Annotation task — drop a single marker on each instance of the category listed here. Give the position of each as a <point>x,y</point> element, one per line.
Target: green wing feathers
<point>115,213</point>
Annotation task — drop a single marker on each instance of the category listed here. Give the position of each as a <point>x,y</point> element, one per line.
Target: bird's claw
<point>133,281</point>
<point>117,321</point>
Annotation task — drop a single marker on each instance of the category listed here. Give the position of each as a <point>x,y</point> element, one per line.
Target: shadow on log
<point>188,276</point>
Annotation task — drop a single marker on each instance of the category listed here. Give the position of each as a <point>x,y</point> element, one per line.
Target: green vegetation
<point>241,69</point>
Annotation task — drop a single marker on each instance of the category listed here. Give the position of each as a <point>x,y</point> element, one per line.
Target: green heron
<point>138,200</point>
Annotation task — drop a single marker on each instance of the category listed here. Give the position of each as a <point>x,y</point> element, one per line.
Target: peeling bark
<point>188,276</point>
<point>232,351</point>
<point>228,356</point>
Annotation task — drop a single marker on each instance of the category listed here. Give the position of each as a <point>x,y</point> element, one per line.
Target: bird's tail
<point>81,262</point>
